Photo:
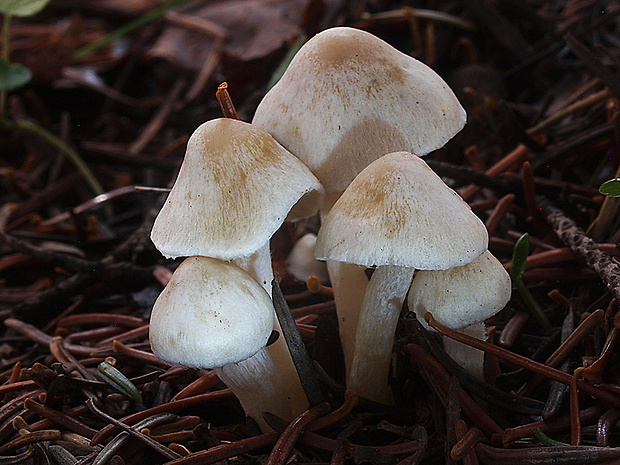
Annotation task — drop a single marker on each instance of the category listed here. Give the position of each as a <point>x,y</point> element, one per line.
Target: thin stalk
<point>296,347</point>
<point>38,131</point>
<point>546,440</point>
<point>226,104</point>
<point>6,24</point>
<point>432,15</point>
<point>258,386</point>
<point>127,28</point>
<point>261,269</point>
<point>532,304</point>
<point>382,304</point>
<point>65,149</point>
<point>517,268</point>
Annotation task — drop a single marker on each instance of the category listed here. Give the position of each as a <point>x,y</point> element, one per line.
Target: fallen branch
<point>575,237</point>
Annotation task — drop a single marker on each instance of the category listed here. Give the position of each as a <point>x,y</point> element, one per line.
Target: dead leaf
<point>256,28</point>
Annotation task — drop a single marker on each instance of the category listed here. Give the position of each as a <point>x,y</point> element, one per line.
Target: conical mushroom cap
<point>235,188</point>
<point>211,313</point>
<point>397,211</point>
<point>348,97</point>
<point>461,296</point>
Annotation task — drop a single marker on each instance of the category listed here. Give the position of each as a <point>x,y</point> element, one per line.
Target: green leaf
<point>13,75</point>
<point>610,188</point>
<point>547,441</point>
<point>519,256</point>
<point>22,7</point>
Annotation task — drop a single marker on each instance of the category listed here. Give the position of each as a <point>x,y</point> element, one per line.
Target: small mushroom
<point>212,314</point>
<point>397,215</point>
<point>462,298</point>
<point>301,263</point>
<point>346,99</point>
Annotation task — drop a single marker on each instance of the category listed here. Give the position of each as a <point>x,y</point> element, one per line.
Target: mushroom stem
<point>375,332</point>
<point>258,386</point>
<point>292,385</point>
<point>259,266</point>
<point>349,283</point>
<point>469,358</point>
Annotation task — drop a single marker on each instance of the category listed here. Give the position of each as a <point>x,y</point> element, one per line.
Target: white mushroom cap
<point>211,313</point>
<point>461,296</point>
<point>301,263</point>
<point>397,211</point>
<point>235,188</point>
<point>348,97</point>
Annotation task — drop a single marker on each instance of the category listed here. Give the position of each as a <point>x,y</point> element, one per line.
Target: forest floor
<point>86,142</point>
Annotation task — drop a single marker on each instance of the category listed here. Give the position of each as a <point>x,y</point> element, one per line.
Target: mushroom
<point>235,188</point>
<point>397,215</point>
<point>301,263</point>
<point>346,99</point>
<point>462,298</point>
<point>213,314</point>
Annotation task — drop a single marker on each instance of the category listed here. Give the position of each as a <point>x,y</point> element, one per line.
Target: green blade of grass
<point>519,256</point>
<point>277,74</point>
<point>129,27</point>
<point>546,440</point>
<point>517,268</point>
<point>65,149</point>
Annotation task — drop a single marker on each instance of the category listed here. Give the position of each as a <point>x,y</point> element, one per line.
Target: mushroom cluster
<point>346,99</point>
<point>235,188</point>
<point>357,114</point>
<point>360,113</point>
<point>398,216</point>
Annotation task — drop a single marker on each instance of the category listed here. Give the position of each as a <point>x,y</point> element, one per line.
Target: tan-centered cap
<point>348,98</point>
<point>210,313</point>
<point>397,211</point>
<point>463,295</point>
<point>235,188</point>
